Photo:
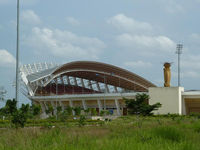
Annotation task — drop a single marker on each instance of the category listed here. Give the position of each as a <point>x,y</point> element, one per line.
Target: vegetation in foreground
<point>125,133</point>
<point>141,131</point>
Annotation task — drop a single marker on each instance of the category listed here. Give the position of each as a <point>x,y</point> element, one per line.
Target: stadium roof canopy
<point>41,75</point>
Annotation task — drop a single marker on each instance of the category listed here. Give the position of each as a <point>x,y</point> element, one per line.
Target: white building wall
<point>169,97</point>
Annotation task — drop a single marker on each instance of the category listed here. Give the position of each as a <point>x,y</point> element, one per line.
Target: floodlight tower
<point>17,56</point>
<point>179,48</point>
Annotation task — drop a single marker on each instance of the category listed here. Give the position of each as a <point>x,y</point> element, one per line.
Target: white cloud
<point>190,74</point>
<point>138,64</point>
<point>191,62</point>
<point>190,66</point>
<point>30,17</point>
<point>125,23</point>
<point>73,21</point>
<point>171,6</point>
<point>195,38</point>
<point>64,43</point>
<point>146,43</point>
<point>6,59</point>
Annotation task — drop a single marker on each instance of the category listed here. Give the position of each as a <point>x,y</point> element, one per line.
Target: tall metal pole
<point>179,52</point>
<point>17,56</point>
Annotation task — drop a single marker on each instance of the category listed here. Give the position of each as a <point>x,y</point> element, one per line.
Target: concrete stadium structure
<point>84,84</point>
<point>88,84</point>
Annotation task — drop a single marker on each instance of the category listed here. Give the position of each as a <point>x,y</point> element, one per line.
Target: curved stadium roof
<point>89,70</point>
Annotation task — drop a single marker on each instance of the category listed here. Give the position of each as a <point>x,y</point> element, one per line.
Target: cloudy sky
<point>138,35</point>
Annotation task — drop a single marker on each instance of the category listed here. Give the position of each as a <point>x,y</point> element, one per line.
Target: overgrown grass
<point>124,133</point>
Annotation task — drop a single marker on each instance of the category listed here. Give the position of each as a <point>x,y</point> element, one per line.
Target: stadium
<point>84,84</point>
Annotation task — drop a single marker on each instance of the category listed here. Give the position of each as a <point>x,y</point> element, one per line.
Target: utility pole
<point>17,56</point>
<point>179,48</point>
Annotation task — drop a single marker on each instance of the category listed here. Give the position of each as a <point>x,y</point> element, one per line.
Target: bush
<point>77,111</point>
<point>49,109</point>
<point>93,111</point>
<point>195,114</point>
<point>69,111</point>
<point>19,119</point>
<point>140,105</point>
<point>82,121</point>
<point>63,116</point>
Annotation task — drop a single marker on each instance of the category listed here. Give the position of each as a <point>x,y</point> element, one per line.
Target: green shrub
<point>19,119</point>
<point>140,105</point>
<point>93,111</point>
<point>82,121</point>
<point>69,110</point>
<point>63,116</point>
<point>49,110</point>
<point>195,114</point>
<point>77,111</point>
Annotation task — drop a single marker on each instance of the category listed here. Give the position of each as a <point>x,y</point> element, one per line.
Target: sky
<point>137,35</point>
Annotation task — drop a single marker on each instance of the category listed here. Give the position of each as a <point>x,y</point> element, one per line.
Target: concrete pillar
<point>46,107</point>
<point>42,106</point>
<point>100,105</point>
<point>118,107</point>
<point>72,106</point>
<point>84,104</point>
<point>61,104</point>
<point>54,107</point>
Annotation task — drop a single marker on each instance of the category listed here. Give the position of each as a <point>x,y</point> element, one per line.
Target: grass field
<point>125,133</point>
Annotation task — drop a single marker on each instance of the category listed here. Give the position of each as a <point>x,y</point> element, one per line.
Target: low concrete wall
<point>169,97</point>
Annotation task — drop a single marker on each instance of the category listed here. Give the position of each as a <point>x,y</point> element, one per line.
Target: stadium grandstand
<point>84,84</point>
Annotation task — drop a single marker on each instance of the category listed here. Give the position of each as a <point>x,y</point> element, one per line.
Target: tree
<point>140,105</point>
<point>11,106</point>
<point>25,108</point>
<point>19,118</point>
<point>36,109</point>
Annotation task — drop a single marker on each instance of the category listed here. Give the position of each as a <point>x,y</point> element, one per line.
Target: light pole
<point>17,56</point>
<point>179,48</point>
